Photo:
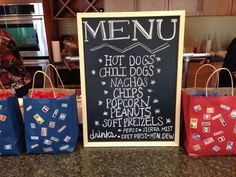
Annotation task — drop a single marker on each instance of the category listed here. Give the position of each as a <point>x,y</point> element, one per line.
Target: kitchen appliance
<point>25,23</point>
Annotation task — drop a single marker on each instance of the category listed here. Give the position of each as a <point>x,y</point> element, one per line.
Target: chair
<point>229,63</point>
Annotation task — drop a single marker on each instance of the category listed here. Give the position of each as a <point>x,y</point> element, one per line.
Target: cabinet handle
<point>20,19</point>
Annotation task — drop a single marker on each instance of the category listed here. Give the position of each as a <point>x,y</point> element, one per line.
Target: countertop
<point>118,162</point>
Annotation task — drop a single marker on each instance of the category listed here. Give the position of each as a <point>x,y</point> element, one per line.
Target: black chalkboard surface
<point>131,70</point>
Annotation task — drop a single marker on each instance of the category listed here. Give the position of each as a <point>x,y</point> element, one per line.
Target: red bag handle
<point>205,65</point>
<point>45,75</point>
<point>231,78</point>
<point>58,75</point>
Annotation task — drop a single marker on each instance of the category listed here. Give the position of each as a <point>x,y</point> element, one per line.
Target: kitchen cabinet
<point>202,7</point>
<point>233,10</point>
<point>135,5</point>
<point>120,5</point>
<point>62,9</point>
<point>152,5</point>
<point>215,7</point>
<point>191,6</point>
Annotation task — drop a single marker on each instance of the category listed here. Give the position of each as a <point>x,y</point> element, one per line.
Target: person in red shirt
<point>12,71</point>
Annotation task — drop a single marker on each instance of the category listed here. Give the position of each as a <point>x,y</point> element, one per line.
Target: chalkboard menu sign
<point>131,71</point>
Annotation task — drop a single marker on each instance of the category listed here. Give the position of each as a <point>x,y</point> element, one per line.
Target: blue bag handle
<point>58,75</point>
<point>216,71</point>
<point>45,75</point>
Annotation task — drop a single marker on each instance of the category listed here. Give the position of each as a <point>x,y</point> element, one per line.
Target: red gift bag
<point>210,120</point>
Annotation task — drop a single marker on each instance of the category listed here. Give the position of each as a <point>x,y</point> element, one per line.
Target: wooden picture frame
<point>131,74</point>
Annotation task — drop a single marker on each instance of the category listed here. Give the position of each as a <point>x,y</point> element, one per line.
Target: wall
<point>68,27</point>
<point>222,30</point>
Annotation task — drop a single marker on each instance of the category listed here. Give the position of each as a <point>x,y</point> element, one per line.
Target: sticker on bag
<point>64,105</point>
<point>206,124</point>
<point>206,129</point>
<point>229,146</point>
<point>216,148</point>
<point>45,109</point>
<point>48,149</point>
<point>210,110</point>
<point>8,147</point>
<point>196,136</point>
<point>54,139</point>
<point>47,142</point>
<point>234,131</point>
<point>34,137</point>
<point>193,123</point>
<point>196,147</point>
<point>206,116</point>
<point>64,147</point>
<point>208,141</point>
<point>29,108</point>
<point>3,118</point>
<point>62,116</point>
<point>197,108</point>
<point>55,113</point>
<point>233,114</point>
<point>34,146</point>
<point>52,124</point>
<point>67,139</point>
<point>218,133</point>
<point>216,116</point>
<point>32,125</point>
<point>61,129</point>
<point>44,131</point>
<point>223,121</point>
<point>221,139</point>
<point>38,118</point>
<point>225,107</point>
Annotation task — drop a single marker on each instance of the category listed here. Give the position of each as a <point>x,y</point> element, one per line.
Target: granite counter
<point>108,162</point>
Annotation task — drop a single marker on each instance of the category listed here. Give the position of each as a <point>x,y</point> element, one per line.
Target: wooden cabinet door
<point>191,6</point>
<point>120,5</point>
<point>233,12</point>
<point>152,5</point>
<point>216,7</point>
